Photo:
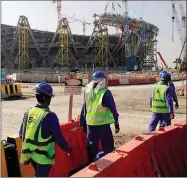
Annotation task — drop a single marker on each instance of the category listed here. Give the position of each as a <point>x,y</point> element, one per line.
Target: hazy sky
<point>42,15</point>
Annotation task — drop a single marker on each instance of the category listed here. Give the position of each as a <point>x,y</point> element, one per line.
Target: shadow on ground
<point>14,98</point>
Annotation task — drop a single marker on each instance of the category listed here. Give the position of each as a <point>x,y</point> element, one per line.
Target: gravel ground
<point>132,104</point>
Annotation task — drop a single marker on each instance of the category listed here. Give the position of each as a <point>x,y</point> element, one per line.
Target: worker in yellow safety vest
<point>161,103</point>
<point>39,131</point>
<point>98,112</point>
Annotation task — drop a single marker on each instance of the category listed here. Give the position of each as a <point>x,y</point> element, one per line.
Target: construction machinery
<point>181,31</point>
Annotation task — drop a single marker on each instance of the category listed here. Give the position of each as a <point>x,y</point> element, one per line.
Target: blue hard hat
<point>161,73</point>
<point>166,76</point>
<point>98,74</point>
<point>44,88</point>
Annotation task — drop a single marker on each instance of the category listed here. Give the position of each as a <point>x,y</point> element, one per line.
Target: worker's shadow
<point>14,98</point>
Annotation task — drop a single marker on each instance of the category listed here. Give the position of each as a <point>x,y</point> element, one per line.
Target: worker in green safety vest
<point>98,112</point>
<point>161,103</point>
<point>39,131</point>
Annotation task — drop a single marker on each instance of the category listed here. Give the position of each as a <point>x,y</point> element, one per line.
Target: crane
<point>84,23</point>
<point>162,59</point>
<point>180,28</point>
<point>60,16</point>
<point>58,5</point>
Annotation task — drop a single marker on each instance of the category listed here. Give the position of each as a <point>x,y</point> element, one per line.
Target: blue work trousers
<point>41,170</point>
<point>102,133</point>
<point>162,118</point>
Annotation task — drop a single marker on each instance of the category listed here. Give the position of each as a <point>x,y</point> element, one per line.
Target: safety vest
<point>159,104</point>
<point>34,147</point>
<point>96,113</point>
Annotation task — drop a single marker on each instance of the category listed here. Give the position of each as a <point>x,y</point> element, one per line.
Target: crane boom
<point>162,59</point>
<point>178,24</point>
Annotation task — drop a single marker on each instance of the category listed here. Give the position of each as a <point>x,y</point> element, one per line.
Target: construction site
<point>131,63</point>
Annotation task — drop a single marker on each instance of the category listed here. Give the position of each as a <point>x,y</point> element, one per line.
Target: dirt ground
<point>132,104</point>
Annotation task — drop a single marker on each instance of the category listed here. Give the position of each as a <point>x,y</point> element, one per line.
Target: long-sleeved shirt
<point>50,126</point>
<point>107,101</point>
<point>169,97</point>
<point>172,86</point>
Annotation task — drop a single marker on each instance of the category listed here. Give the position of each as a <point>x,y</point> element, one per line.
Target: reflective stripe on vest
<point>34,147</point>
<point>96,113</point>
<point>159,104</point>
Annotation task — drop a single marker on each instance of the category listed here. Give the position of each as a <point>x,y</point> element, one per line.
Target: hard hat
<point>44,88</point>
<point>166,76</point>
<point>98,74</point>
<point>161,73</point>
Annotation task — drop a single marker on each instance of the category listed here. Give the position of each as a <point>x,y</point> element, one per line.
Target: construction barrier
<point>9,90</point>
<point>113,82</point>
<point>157,154</point>
<point>133,81</point>
<point>5,91</point>
<point>77,140</point>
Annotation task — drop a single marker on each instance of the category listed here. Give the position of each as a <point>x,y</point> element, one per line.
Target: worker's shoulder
<point>108,92</point>
<point>51,115</point>
<point>171,84</point>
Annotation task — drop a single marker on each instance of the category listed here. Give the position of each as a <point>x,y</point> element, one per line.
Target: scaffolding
<point>151,60</point>
<point>21,35</point>
<point>64,57</point>
<point>100,39</point>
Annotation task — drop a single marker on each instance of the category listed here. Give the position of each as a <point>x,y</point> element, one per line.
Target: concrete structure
<point>134,52</point>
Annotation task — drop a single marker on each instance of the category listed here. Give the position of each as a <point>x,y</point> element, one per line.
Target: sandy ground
<point>132,104</point>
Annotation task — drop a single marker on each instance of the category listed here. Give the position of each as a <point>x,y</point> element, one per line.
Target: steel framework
<point>23,57</point>
<point>64,57</point>
<point>22,36</point>
<point>100,38</point>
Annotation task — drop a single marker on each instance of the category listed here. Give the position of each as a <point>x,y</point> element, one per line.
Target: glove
<point>117,129</point>
<point>172,116</point>
<point>176,105</point>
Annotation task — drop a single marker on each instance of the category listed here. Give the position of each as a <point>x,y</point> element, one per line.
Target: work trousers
<point>41,170</point>
<point>163,118</point>
<point>102,133</point>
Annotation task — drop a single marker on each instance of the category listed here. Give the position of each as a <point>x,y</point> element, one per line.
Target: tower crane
<point>180,28</point>
<point>58,5</point>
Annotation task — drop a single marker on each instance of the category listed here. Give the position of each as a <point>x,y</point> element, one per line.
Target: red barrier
<point>113,82</point>
<point>141,80</point>
<point>133,81</point>
<point>76,138</point>
<point>160,153</point>
<point>167,153</point>
<point>107,166</point>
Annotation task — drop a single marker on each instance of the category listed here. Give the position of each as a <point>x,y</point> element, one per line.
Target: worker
<point>171,84</point>
<point>39,131</point>
<point>161,103</point>
<point>174,95</point>
<point>98,112</point>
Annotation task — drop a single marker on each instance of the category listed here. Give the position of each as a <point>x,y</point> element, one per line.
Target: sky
<point>42,15</point>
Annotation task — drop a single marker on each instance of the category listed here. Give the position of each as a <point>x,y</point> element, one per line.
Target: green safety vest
<point>34,147</point>
<point>159,104</point>
<point>96,113</point>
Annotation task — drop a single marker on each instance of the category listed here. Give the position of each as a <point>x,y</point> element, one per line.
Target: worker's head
<point>165,77</point>
<point>44,93</point>
<point>98,77</point>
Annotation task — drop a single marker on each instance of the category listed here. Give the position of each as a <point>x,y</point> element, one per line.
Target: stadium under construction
<point>134,48</point>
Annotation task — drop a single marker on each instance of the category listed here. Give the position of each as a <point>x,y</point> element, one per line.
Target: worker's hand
<point>117,129</point>
<point>172,116</point>
<point>176,105</point>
